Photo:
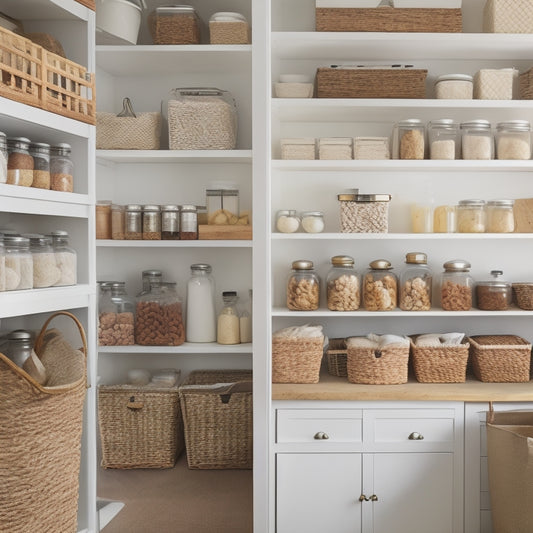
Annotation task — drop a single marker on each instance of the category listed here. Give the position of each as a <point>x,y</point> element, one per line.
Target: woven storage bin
<point>495,84</point>
<point>523,295</point>
<point>387,366</point>
<point>500,358</point>
<point>526,85</point>
<point>297,360</point>
<point>443,364</point>
<point>128,133</point>
<point>237,32</point>
<point>218,421</point>
<point>508,16</point>
<point>40,437</point>
<point>431,20</point>
<point>140,427</point>
<point>370,82</point>
<point>337,356</point>
<point>364,215</point>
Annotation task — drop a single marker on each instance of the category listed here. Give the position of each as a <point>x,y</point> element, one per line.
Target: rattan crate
<point>217,418</point>
<point>337,356</point>
<point>385,19</point>
<point>297,360</point>
<point>442,364</point>
<point>526,85</point>
<point>140,427</point>
<point>390,82</point>
<point>500,358</point>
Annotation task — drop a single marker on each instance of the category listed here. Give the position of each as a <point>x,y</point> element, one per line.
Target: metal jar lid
<point>475,202</point>
<point>58,233</point>
<point>380,264</point>
<point>154,208</point>
<point>19,335</point>
<point>410,122</point>
<point>302,264</point>
<point>286,213</point>
<point>364,198</point>
<point>444,123</point>
<point>202,267</point>
<point>455,77</point>
<point>188,207</point>
<point>476,124</point>
<point>500,203</point>
<point>311,214</point>
<point>170,208</point>
<point>342,260</point>
<point>61,149</point>
<point>457,265</point>
<point>514,125</point>
<point>134,207</point>
<point>417,258</point>
<point>16,241</point>
<point>496,282</point>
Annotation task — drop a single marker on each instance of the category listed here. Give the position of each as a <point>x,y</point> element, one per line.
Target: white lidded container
<point>454,87</point>
<point>118,21</point>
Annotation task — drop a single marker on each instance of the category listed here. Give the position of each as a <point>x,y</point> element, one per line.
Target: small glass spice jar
<point>500,216</point>
<point>66,258</point>
<point>118,221</point>
<point>471,216</point>
<point>415,283</point>
<point>287,221</point>
<point>408,139</point>
<point>19,162</point>
<point>170,222</point>
<point>19,263</point>
<point>188,222</point>
<point>133,227</point>
<point>380,287</point>
<point>513,140</point>
<point>3,157</point>
<point>312,221</point>
<point>477,140</point>
<point>343,285</point>
<point>41,165</point>
<point>103,219</point>
<point>151,223</point>
<point>494,295</point>
<point>303,287</point>
<point>61,168</point>
<point>456,286</point>
<point>444,139</point>
<point>454,87</point>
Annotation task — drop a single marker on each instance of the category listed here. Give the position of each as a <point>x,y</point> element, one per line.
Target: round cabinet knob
<point>416,436</point>
<point>373,498</point>
<point>321,436</point>
<point>363,498</point>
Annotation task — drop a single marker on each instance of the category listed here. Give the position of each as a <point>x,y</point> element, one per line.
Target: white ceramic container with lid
<point>118,21</point>
<point>454,87</point>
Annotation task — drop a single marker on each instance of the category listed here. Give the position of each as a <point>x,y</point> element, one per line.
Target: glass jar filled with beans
<point>151,223</point>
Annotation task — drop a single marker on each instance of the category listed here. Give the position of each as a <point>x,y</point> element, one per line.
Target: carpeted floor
<point>179,500</point>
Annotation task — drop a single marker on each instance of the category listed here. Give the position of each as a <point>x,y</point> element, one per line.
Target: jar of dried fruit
<point>456,286</point>
<point>380,287</point>
<point>415,283</point>
<point>303,287</point>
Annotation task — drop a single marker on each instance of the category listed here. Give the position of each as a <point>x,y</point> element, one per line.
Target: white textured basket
<point>128,133</point>
<point>508,16</point>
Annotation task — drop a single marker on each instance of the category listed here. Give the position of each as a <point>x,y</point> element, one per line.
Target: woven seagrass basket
<point>500,358</point>
<point>218,419</point>
<point>297,360</point>
<point>128,133</point>
<point>442,364</point>
<point>526,85</point>
<point>523,295</point>
<point>337,356</point>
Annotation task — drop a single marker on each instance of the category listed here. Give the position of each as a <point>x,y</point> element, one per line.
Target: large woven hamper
<point>40,437</point>
<point>297,360</point>
<point>500,358</point>
<point>336,356</point>
<point>141,132</point>
<point>140,427</point>
<point>217,415</point>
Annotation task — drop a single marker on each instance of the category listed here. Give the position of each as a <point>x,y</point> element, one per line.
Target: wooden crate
<point>230,232</point>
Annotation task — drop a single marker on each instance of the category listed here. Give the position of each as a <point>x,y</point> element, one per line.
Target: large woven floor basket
<point>297,360</point>
<point>217,417</point>
<point>40,437</point>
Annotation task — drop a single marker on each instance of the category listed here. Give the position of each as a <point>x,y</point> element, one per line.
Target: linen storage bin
<point>526,85</point>
<point>217,417</point>
<point>364,213</point>
<point>508,16</point>
<point>495,84</point>
<point>294,86</point>
<point>228,28</point>
<point>500,358</point>
<point>299,148</point>
<point>140,427</point>
<point>335,148</point>
<point>297,360</point>
<point>141,132</point>
<point>337,355</point>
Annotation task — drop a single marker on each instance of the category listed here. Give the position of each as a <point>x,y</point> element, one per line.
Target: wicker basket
<point>140,427</point>
<point>508,16</point>
<point>387,366</point>
<point>370,82</point>
<point>337,356</point>
<point>128,133</point>
<point>526,85</point>
<point>431,20</point>
<point>218,420</point>
<point>500,358</point>
<point>297,360</point>
<point>523,294</point>
<point>443,364</point>
<point>40,437</point>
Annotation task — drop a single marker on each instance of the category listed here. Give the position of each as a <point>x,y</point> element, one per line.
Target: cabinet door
<point>318,492</point>
<point>415,492</point>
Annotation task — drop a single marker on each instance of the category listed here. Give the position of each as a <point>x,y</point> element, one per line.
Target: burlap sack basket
<point>142,132</point>
<point>40,437</point>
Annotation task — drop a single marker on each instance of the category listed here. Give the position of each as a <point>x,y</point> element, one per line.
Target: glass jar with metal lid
<point>151,223</point>
<point>61,168</point>
<point>147,277</point>
<point>3,157</point>
<point>116,316</point>
<point>364,213</point>
<point>188,222</point>
<point>66,258</point>
<point>416,283</point>
<point>495,294</point>
<point>456,286</point>
<point>471,216</point>
<point>312,221</point>
<point>17,346</point>
<point>303,287</point>
<point>228,326</point>
<point>178,24</point>
<point>170,222</point>
<point>19,263</point>
<point>444,139</point>
<point>133,222</point>
<point>287,221</point>
<point>19,162</point>
<point>45,270</point>
<point>408,139</point>
<point>477,140</point>
<point>500,216</point>
<point>513,140</point>
<point>343,286</point>
<point>201,316</point>
<point>380,287</point>
<point>454,87</point>
<point>118,221</point>
<point>41,165</point>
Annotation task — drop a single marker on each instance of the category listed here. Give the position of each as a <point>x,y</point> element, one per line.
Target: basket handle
<point>239,386</point>
<point>490,414</point>
<point>133,405</point>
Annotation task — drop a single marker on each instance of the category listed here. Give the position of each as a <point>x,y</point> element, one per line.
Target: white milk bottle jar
<point>201,317</point>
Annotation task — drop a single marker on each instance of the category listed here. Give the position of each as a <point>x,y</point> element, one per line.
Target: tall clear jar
<point>513,140</point>
<point>133,225</point>
<point>151,223</point>
<point>46,273</point>
<point>103,222</point>
<point>495,294</point>
<point>500,216</point>
<point>445,219</point>
<point>408,139</point>
<point>61,168</point>
<point>116,317</point>
<point>66,258</point>
<point>170,222</point>
<point>159,318</point>
<point>222,199</point>
<point>245,319</point>
<point>2,266</point>
<point>477,140</point>
<point>19,162</point>
<point>41,165</point>
<point>380,287</point>
<point>303,287</point>
<point>415,283</point>
<point>3,157</point>
<point>471,216</point>
<point>201,317</point>
<point>118,222</point>
<point>444,139</point>
<point>343,286</point>
<point>228,324</point>
<point>18,346</point>
<point>19,263</point>
<point>188,223</point>
<point>456,286</point>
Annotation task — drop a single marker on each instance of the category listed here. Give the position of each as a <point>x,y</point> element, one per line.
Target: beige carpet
<point>179,500</point>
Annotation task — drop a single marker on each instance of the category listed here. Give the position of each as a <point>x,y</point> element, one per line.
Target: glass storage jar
<point>151,223</point>
<point>471,216</point>
<point>159,318</point>
<point>380,287</point>
<point>454,87</point>
<point>416,283</point>
<point>3,157</point>
<point>228,325</point>
<point>41,165</point>
<point>477,140</point>
<point>245,319</point>
<point>343,286</point>
<point>444,219</point>
<point>66,258</point>
<point>222,200</point>
<point>133,222</point>
<point>170,222</point>
<point>312,221</point>
<point>303,287</point>
<point>456,286</point>
<point>178,24</point>
<point>147,277</point>
<point>188,222</point>
<point>513,140</point>
<point>116,316</point>
<point>421,218</point>
<point>46,273</point>
<point>444,139</point>
<point>103,219</point>
<point>500,216</point>
<point>19,162</point>
<point>495,294</point>
<point>408,139</point>
<point>19,263</point>
<point>201,316</point>
<point>287,221</point>
<point>61,168</point>
<point>118,222</point>
<point>18,346</point>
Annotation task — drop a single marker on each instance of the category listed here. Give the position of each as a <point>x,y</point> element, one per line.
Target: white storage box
<point>495,84</point>
<point>508,16</point>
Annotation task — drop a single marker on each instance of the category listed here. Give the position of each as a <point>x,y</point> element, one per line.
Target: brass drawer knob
<point>321,436</point>
<point>415,436</point>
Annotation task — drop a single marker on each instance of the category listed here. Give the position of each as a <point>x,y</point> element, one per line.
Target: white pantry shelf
<point>185,348</point>
<point>398,236</point>
<point>174,156</point>
<point>51,10</point>
<point>204,243</point>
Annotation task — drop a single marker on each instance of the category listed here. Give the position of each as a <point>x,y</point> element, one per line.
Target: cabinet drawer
<point>319,425</point>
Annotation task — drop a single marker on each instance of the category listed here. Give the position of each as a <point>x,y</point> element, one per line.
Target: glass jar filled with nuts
<point>415,283</point>
<point>380,287</point>
<point>456,286</point>
<point>495,294</point>
<point>343,285</point>
<point>303,287</point>
<point>116,314</point>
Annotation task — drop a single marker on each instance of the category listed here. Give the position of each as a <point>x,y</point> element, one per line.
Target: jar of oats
<point>444,139</point>
<point>495,294</point>
<point>343,285</point>
<point>303,287</point>
<point>415,283</point>
<point>456,286</point>
<point>380,287</point>
<point>471,216</point>
<point>500,216</point>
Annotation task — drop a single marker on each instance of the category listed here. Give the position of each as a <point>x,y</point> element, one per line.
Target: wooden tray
<point>214,232</point>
